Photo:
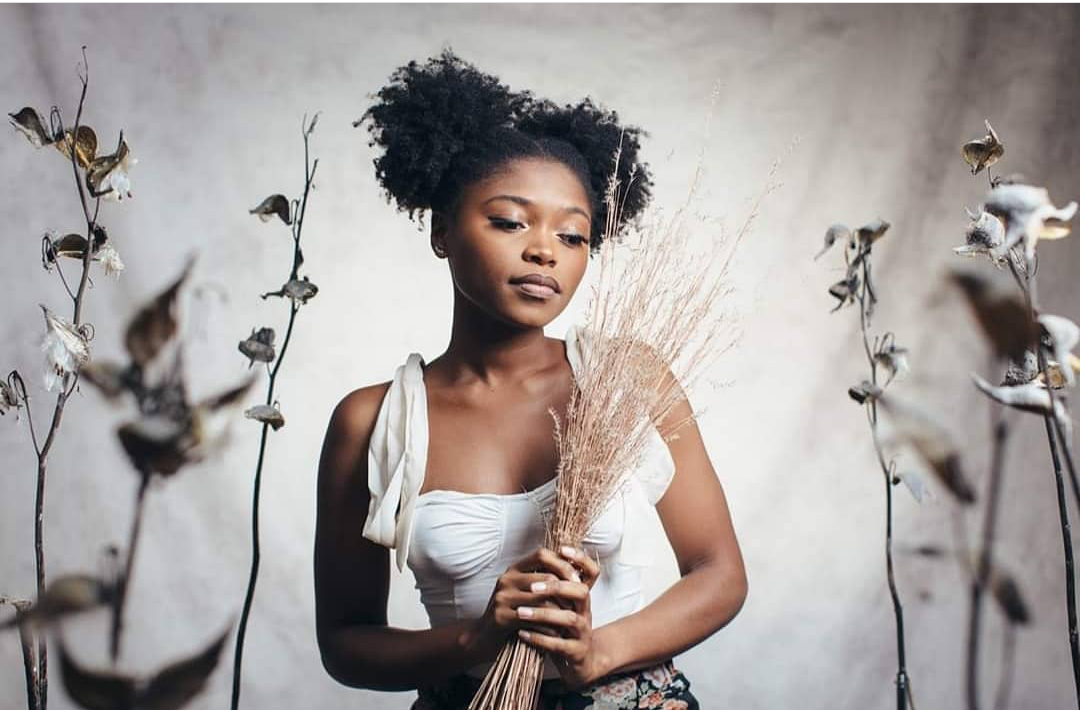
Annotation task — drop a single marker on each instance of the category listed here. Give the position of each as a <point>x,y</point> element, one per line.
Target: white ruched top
<point>457,544</point>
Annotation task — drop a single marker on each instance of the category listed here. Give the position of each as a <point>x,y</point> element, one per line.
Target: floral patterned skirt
<point>661,687</point>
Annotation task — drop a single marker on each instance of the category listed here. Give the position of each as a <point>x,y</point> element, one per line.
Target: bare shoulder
<point>356,412</point>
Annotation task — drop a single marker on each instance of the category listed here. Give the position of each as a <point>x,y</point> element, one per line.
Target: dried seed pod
<point>865,392</point>
<point>273,205</point>
<point>66,349</point>
<point>871,232</point>
<point>1063,335</point>
<point>107,176</point>
<point>300,291</point>
<point>833,234</point>
<point>267,414</point>
<point>85,145</point>
<point>983,152</point>
<point>1028,215</point>
<point>259,346</point>
<point>984,236</point>
<point>29,122</point>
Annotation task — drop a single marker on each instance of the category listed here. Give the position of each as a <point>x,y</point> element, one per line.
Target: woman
<point>451,463</point>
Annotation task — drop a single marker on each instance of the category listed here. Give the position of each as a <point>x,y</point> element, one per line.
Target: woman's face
<point>530,218</point>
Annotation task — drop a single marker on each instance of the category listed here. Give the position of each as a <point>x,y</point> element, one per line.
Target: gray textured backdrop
<point>211,98</point>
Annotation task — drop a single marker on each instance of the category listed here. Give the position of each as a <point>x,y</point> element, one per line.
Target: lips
<point>539,280</point>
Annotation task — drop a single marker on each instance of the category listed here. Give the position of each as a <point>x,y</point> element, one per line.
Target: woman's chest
<point>456,535</point>
<point>499,445</point>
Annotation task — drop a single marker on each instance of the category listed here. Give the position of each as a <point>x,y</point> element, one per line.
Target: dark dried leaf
<point>1007,594</point>
<point>155,324</point>
<point>983,152</point>
<point>157,444</point>
<point>29,122</point>
<point>273,205</point>
<point>177,684</point>
<point>85,145</point>
<point>95,690</point>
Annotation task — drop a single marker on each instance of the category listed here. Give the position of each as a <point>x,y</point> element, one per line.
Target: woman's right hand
<point>543,578</point>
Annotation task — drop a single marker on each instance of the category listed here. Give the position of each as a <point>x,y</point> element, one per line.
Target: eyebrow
<point>525,203</point>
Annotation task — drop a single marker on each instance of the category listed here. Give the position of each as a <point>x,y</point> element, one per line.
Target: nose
<point>539,250</point>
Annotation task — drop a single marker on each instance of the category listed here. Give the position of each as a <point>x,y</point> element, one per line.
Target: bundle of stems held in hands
<point>650,332</point>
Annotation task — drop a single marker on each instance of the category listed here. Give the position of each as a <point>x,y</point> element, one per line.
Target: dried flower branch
<point>259,346</point>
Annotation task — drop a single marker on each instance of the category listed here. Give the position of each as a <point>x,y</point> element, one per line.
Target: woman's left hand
<point>572,651</point>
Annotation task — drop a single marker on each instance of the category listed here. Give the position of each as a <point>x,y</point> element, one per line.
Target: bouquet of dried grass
<point>649,332</point>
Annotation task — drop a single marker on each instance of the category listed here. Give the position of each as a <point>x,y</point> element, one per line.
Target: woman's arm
<point>713,584</point>
<point>352,573</point>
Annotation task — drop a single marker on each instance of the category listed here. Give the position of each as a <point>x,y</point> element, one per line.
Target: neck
<point>493,351</point>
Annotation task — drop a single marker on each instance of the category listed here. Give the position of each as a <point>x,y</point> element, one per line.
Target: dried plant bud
<point>894,359</point>
<point>66,349</point>
<point>1028,215</point>
<point>984,236</point>
<point>833,234</point>
<point>1007,594</point>
<point>66,595</point>
<point>300,291</point>
<point>844,291</point>
<point>259,346</point>
<point>1063,335</point>
<point>107,176</point>
<point>1032,397</point>
<point>155,323</point>
<point>871,232</point>
<point>1022,372</point>
<point>932,443</point>
<point>9,399</point>
<point>273,205</point>
<point>267,415</point>
<point>171,688</point>
<point>983,152</point>
<point>85,145</point>
<point>1003,316</point>
<point>29,122</point>
<point>865,392</point>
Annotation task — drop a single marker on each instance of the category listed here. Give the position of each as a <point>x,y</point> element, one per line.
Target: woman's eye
<point>505,223</point>
<point>574,239</point>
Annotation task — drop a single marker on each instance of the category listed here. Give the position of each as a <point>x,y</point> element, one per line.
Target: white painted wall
<point>210,99</point>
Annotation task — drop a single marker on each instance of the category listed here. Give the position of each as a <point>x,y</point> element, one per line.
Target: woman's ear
<point>439,229</point>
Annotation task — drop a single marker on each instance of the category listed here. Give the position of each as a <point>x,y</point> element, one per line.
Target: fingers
<point>566,620</point>
<point>569,647</point>
<point>590,568</point>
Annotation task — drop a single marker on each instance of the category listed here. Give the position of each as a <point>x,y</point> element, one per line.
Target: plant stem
<point>982,570</point>
<point>1028,287</point>
<point>902,686</point>
<point>125,578</point>
<point>253,575</point>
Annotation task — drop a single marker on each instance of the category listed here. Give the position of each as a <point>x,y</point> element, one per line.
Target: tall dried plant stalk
<point>650,334</point>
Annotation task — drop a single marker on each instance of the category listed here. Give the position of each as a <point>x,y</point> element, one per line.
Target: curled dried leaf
<point>259,346</point>
<point>9,398</point>
<point>983,152</point>
<point>300,291</point>
<point>1028,215</point>
<point>1002,315</point>
<point>267,414</point>
<point>85,145</point>
<point>273,205</point>
<point>865,392</point>
<point>844,291</point>
<point>65,595</point>
<point>171,688</point>
<point>932,443</point>
<point>871,232</point>
<point>107,176</point>
<point>893,358</point>
<point>155,323</point>
<point>1063,335</point>
<point>833,234</point>
<point>66,349</point>
<point>29,122</point>
<point>984,236</point>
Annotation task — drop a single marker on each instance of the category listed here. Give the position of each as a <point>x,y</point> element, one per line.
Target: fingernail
<point>575,576</point>
<point>538,586</point>
<point>569,551</point>
<point>525,612</point>
<point>523,633</point>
